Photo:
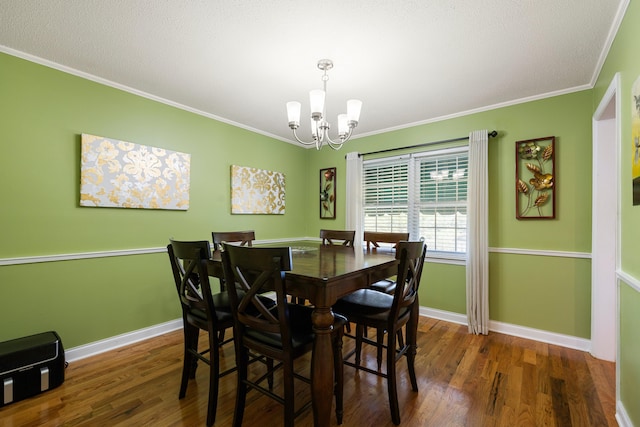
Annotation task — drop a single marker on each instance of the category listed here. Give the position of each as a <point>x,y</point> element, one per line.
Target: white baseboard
<point>447,316</point>
<point>540,335</point>
<point>515,330</point>
<point>118,341</point>
<point>97,347</point>
<point>621,415</point>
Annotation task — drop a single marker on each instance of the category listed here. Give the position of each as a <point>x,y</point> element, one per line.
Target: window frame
<point>414,203</point>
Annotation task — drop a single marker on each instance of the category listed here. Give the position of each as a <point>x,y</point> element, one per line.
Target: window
<point>424,194</point>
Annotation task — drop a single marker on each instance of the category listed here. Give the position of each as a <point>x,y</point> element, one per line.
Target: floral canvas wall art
<point>257,191</point>
<point>122,174</point>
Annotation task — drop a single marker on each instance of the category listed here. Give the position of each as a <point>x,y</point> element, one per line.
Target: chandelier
<point>319,125</point>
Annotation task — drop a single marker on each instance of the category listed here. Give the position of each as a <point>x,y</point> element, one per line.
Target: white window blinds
<point>386,195</point>
<point>424,194</point>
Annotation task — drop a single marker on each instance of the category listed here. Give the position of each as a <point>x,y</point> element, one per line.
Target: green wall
<point>541,292</point>
<point>87,300</point>
<point>623,58</point>
<point>42,114</point>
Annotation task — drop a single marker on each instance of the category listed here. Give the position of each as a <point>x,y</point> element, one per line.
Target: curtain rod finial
<point>493,133</point>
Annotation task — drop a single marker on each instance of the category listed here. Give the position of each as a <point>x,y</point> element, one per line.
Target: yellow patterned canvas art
<point>256,191</point>
<point>635,143</point>
<point>122,174</point>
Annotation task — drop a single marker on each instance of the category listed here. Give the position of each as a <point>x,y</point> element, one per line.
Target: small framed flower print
<point>536,178</point>
<point>328,193</point>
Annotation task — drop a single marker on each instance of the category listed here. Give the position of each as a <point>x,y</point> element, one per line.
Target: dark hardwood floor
<point>464,380</point>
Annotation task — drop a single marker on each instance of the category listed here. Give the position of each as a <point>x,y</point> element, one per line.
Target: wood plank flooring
<point>464,380</point>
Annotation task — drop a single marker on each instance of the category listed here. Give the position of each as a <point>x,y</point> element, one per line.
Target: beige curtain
<point>354,196</point>
<point>478,234</point>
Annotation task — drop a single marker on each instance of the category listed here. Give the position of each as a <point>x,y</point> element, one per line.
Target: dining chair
<point>389,314</point>
<point>201,310</point>
<point>373,240</point>
<point>282,333</point>
<point>334,237</point>
<point>245,238</point>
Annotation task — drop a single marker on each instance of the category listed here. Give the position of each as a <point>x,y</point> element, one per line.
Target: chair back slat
<point>245,238</point>
<point>261,317</point>
<point>374,238</point>
<point>335,237</point>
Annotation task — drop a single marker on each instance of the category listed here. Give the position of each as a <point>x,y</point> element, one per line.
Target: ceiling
<point>410,62</point>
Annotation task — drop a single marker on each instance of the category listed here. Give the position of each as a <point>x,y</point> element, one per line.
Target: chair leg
<point>270,370</point>
<point>412,332</point>
<point>187,360</point>
<point>359,333</point>
<point>411,357</point>
<point>214,377</point>
<point>392,387</point>
<point>379,346</point>
<point>242,361</point>
<point>400,338</point>
<point>338,374</point>
<point>289,395</point>
<point>194,336</point>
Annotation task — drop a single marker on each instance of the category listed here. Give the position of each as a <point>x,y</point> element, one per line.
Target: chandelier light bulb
<point>316,102</point>
<point>353,110</point>
<point>343,127</point>
<point>293,112</point>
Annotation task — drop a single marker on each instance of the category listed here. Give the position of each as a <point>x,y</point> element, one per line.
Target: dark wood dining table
<point>321,275</point>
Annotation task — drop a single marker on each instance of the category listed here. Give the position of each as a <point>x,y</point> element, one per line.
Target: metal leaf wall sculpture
<point>535,196</point>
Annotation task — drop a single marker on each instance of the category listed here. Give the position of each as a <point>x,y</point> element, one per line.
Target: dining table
<point>321,274</point>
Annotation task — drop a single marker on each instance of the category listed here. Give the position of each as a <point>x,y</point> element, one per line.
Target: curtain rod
<point>493,133</point>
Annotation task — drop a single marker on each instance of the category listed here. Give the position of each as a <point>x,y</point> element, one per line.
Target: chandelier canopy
<point>319,124</point>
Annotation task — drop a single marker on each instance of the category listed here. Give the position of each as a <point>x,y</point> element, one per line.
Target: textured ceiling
<point>410,61</point>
